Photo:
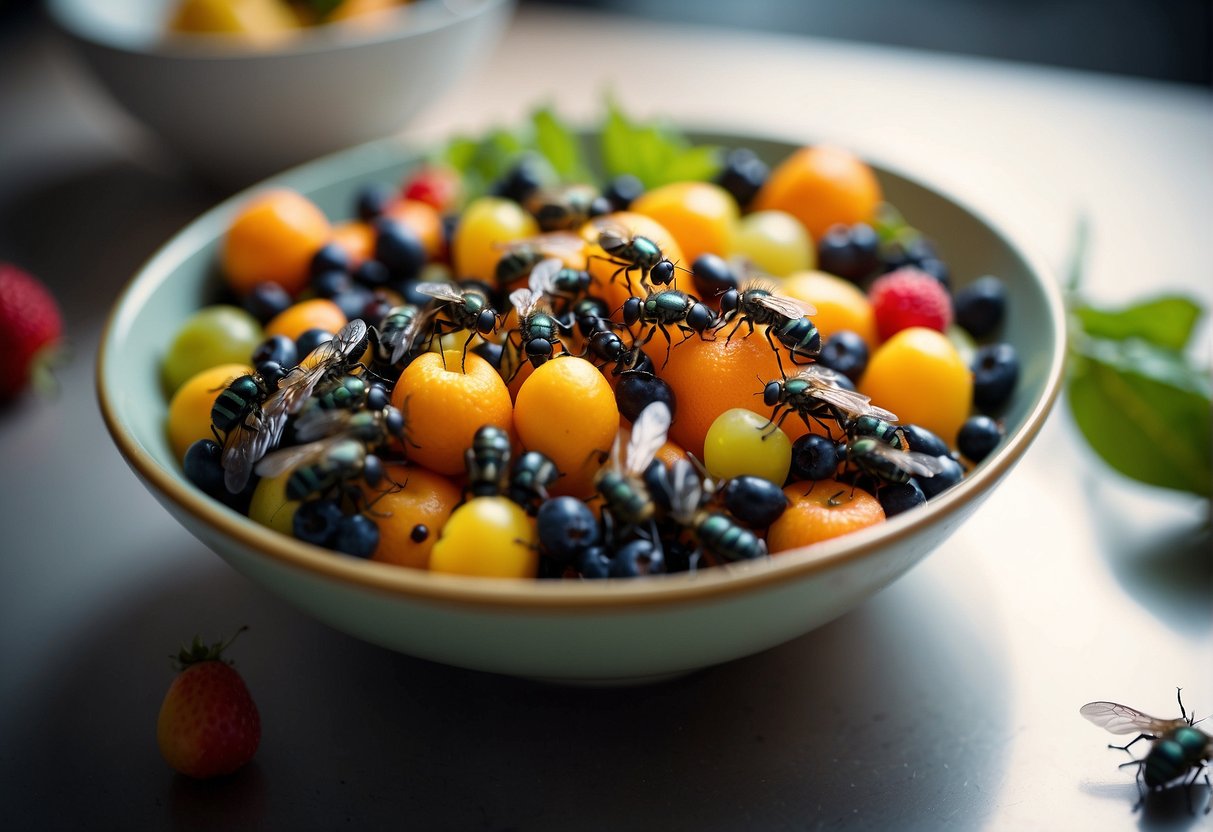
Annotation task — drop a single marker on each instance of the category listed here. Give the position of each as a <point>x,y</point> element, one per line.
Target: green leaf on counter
<point>1145,411</point>
<point>559,145</point>
<point>1167,322</point>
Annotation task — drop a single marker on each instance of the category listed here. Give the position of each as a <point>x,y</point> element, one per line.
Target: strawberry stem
<point>197,652</point>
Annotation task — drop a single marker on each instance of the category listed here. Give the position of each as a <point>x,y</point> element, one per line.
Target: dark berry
<point>277,348</point>
<point>937,269</point>
<point>599,205</point>
<point>266,300</point>
<point>316,521</point>
<point>637,558</point>
<point>377,307</point>
<point>593,562</point>
<point>851,252</point>
<point>522,180</point>
<point>754,501</point>
<point>490,352</point>
<point>271,372</point>
<point>372,201</point>
<point>400,249</point>
<point>814,458</point>
<point>995,374</point>
<point>331,283</point>
<point>743,174</point>
<point>978,436</point>
<point>623,190</point>
<point>408,289</point>
<point>920,440</point>
<point>419,533</point>
<point>311,339</point>
<point>980,306</point>
<point>372,274</point>
<point>567,527</point>
<point>845,352</point>
<point>637,389</point>
<point>357,535</point>
<point>203,467</point>
<point>353,302</point>
<point>330,257</point>
<point>898,497</point>
<point>951,474</point>
<point>712,276</point>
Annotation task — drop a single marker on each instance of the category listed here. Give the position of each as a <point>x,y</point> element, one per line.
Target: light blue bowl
<point>584,631</point>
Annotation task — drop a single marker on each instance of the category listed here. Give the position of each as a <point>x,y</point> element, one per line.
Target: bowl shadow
<point>884,714</point>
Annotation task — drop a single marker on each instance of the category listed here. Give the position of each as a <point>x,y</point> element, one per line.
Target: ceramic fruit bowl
<point>607,631</point>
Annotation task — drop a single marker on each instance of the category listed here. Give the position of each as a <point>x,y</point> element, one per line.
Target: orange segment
<point>566,410</point>
<point>820,186</point>
<point>273,238</point>
<point>444,406</point>
<point>821,511</point>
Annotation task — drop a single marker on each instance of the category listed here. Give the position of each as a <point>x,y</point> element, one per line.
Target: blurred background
<point>1163,39</point>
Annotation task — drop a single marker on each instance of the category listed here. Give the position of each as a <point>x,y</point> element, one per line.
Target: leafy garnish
<point>1141,403</point>
<point>655,153</point>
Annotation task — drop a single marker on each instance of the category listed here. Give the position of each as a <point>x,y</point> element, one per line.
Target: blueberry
<point>849,251</point>
<point>567,527</point>
<point>814,458</point>
<point>712,276</point>
<point>266,300</point>
<point>743,174</point>
<point>637,389</point>
<point>408,289</point>
<point>978,436</point>
<point>277,348</point>
<point>921,440</point>
<point>951,474</point>
<point>754,501</point>
<point>377,307</point>
<point>896,498</point>
<point>845,352</point>
<point>372,274</point>
<point>353,302</point>
<point>981,306</point>
<point>623,190</point>
<point>330,257</point>
<point>271,372</point>
<point>995,374</point>
<point>203,467</point>
<point>490,352</point>
<point>937,269</point>
<point>593,562</point>
<point>599,205</point>
<point>372,201</point>
<point>400,249</point>
<point>357,535</point>
<point>331,283</point>
<point>522,180</point>
<point>316,521</point>
<point>637,558</point>
<point>311,339</point>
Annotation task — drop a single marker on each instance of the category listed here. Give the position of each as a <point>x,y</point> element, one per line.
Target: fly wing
<point>788,307</point>
<point>649,433</point>
<point>279,462</point>
<point>442,291</point>
<point>399,340</point>
<point>913,462</point>
<point>686,490</point>
<point>524,302</point>
<point>1121,719</point>
<point>542,279</point>
<point>317,423</point>
<point>854,404</point>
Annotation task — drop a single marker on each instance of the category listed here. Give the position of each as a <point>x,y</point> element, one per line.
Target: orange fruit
<point>444,406</point>
<point>702,217</point>
<point>273,238</point>
<point>820,511</point>
<point>409,498</point>
<point>357,239</point>
<point>317,313</point>
<point>566,410</point>
<point>841,305</point>
<point>919,375</point>
<point>709,377</point>
<point>189,411</point>
<point>601,268</point>
<point>820,186</point>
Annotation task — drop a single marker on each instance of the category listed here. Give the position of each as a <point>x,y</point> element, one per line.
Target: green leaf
<point>655,153</point>
<point>459,153</point>
<point>1167,322</point>
<point>701,163</point>
<point>1145,411</point>
<point>559,144</point>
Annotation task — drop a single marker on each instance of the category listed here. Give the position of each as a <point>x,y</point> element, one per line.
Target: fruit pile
<point>559,379</point>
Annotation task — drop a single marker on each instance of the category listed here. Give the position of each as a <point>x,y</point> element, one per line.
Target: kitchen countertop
<point>948,701</point>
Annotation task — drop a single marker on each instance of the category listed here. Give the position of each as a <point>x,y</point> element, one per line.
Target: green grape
<point>742,442</point>
<point>214,335</point>
<point>775,242</point>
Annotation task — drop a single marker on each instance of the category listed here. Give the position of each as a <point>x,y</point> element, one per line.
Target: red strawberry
<point>437,186</point>
<point>909,297</point>
<point>208,722</point>
<point>31,329</point>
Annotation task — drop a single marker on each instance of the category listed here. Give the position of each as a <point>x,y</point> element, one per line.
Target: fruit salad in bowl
<point>515,411</point>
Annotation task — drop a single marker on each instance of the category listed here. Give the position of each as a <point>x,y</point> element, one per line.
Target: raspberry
<point>909,297</point>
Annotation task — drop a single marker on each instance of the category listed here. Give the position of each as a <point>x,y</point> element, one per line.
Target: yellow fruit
<point>189,411</point>
<point>918,375</point>
<point>701,216</point>
<point>488,536</point>
<point>775,242</point>
<point>487,225</point>
<point>841,305</point>
<point>270,506</point>
<point>257,20</point>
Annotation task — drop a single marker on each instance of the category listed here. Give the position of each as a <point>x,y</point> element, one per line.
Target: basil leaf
<point>655,154</point>
<point>701,163</point>
<point>561,147</point>
<point>1145,411</point>
<point>1166,321</point>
